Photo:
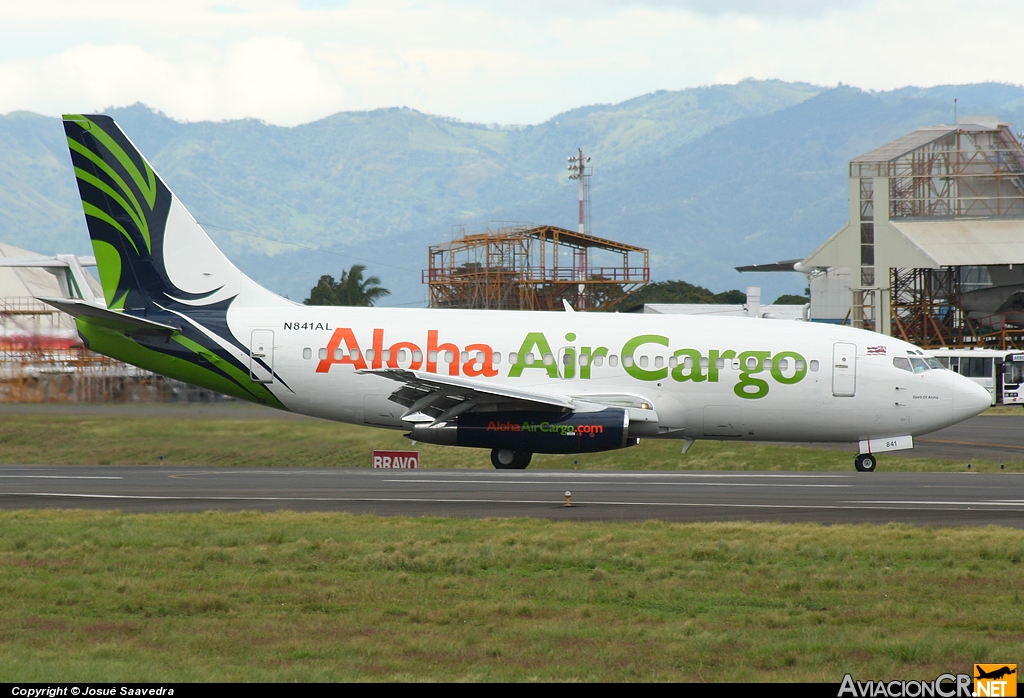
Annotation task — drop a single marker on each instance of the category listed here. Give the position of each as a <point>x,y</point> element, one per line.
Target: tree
<point>790,299</point>
<point>680,292</point>
<point>350,289</point>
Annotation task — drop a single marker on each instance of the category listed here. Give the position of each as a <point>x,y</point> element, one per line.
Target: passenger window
<point>719,364</point>
<point>432,356</point>
<point>339,354</point>
<point>449,357</point>
<point>464,357</point>
<point>401,354</point>
<point>513,357</point>
<point>814,365</point>
<point>584,359</point>
<point>673,362</point>
<point>902,363</point>
<point>703,362</point>
<point>417,356</point>
<point>307,353</point>
<point>322,354</point>
<point>783,364</point>
<point>386,355</point>
<point>354,354</point>
<point>643,362</point>
<point>567,359</point>
<point>598,360</point>
<point>767,363</point>
<point>627,361</point>
<point>800,365</point>
<point>369,354</point>
<point>497,358</point>
<point>613,360</point>
<point>659,361</point>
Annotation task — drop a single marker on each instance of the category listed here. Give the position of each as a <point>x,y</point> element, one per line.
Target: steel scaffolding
<point>43,361</point>
<point>533,268</point>
<point>927,310</point>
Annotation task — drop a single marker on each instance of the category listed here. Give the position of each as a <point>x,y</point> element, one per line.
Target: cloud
<point>273,77</point>
<point>763,9</point>
<point>291,61</point>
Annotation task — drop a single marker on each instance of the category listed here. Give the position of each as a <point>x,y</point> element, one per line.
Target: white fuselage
<point>706,377</point>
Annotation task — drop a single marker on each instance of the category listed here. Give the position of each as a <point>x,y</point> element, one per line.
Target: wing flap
<point>441,397</point>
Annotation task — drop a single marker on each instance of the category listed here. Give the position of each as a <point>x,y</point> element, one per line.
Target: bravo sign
<point>395,459</point>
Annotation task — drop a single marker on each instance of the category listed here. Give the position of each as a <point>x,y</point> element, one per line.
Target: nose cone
<point>969,399</point>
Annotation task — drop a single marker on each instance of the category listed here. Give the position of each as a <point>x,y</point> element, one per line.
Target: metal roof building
<point>21,314</point>
<point>934,245</point>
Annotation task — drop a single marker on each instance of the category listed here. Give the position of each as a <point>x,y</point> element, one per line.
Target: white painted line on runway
<point>64,477</point>
<point>619,475</point>
<point>424,500</point>
<point>991,502</point>
<point>566,482</point>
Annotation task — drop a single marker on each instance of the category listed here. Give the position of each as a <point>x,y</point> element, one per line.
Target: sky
<point>289,62</point>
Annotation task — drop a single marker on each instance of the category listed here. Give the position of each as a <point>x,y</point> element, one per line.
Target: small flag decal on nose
<point>876,351</point>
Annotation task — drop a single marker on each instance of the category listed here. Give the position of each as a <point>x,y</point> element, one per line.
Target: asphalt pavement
<point>942,499</point>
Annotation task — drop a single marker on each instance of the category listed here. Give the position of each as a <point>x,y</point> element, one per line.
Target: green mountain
<point>707,178</point>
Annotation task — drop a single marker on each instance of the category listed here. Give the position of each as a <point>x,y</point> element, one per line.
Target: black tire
<point>865,463</point>
<point>504,459</point>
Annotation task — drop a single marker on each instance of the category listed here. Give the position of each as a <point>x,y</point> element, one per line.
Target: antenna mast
<point>579,170</point>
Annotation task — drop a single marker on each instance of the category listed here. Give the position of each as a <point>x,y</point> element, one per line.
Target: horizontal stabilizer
<point>44,262</point>
<point>111,319</point>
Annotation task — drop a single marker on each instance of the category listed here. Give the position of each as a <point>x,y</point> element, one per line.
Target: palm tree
<point>350,289</point>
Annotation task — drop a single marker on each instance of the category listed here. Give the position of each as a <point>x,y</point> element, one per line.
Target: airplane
<point>995,673</point>
<point>514,382</point>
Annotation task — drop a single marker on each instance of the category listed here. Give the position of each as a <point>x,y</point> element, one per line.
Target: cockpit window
<point>934,363</point>
<point>919,365</point>
<point>902,363</point>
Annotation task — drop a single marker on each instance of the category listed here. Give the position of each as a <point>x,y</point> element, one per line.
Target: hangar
<point>42,358</point>
<point>934,245</point>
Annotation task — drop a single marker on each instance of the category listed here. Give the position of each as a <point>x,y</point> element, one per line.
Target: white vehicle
<point>998,371</point>
<point>983,366</point>
<point>516,383</point>
<point>1013,377</point>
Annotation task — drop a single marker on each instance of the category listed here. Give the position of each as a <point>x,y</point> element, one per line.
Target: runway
<point>943,499</point>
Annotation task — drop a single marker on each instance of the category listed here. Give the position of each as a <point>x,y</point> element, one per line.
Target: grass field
<point>94,439</point>
<point>97,596</point>
<point>105,596</point>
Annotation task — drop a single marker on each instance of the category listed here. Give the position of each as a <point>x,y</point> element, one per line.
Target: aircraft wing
<point>111,319</point>
<point>429,397</point>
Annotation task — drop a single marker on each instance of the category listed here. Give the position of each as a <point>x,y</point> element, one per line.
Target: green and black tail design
<point>156,262</point>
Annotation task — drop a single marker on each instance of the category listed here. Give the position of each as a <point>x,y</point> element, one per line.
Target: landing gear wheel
<point>865,463</point>
<point>504,459</point>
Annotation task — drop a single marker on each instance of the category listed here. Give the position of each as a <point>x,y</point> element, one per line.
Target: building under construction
<point>933,252</point>
<point>533,268</point>
<point>42,358</point>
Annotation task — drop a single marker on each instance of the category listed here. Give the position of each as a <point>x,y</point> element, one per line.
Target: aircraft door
<point>261,356</point>
<point>844,369</point>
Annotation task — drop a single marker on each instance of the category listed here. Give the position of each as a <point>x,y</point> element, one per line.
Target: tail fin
<point>151,253</point>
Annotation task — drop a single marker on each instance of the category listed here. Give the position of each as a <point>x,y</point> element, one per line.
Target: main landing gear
<point>503,459</point>
<point>865,463</point>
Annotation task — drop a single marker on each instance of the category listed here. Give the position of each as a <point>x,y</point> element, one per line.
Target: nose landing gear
<point>504,459</point>
<point>865,463</point>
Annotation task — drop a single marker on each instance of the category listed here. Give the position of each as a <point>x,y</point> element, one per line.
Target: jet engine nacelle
<point>533,432</point>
